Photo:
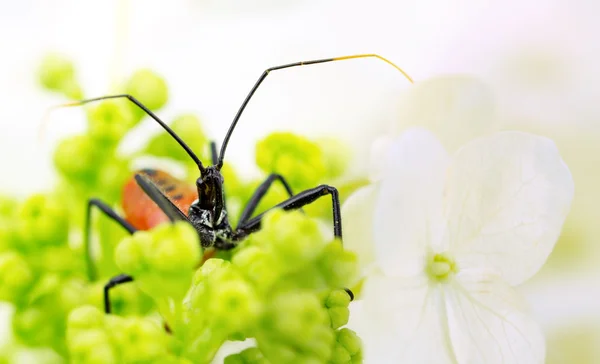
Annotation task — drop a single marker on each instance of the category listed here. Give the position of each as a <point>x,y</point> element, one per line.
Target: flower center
<point>441,267</point>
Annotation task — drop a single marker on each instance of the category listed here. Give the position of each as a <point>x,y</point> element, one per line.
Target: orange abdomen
<point>141,212</point>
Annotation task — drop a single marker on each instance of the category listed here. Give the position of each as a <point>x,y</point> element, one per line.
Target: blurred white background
<point>539,58</point>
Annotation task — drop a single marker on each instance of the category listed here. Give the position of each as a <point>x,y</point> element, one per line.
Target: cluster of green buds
<point>305,164</point>
<point>94,337</point>
<point>282,287</point>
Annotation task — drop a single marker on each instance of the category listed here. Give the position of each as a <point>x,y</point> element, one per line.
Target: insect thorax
<point>218,234</point>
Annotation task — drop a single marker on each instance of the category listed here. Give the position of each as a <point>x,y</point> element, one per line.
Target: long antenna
<point>303,63</point>
<point>147,111</point>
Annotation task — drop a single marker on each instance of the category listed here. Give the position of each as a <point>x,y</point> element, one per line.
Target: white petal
<point>401,321</point>
<point>408,210</point>
<point>487,323</point>
<point>357,218</point>
<point>507,197</point>
<point>456,108</point>
<point>379,151</point>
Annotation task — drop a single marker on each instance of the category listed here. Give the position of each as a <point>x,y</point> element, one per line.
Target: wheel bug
<point>204,205</point>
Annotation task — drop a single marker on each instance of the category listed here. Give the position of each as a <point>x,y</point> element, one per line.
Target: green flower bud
<point>340,355</point>
<point>162,259</point>
<point>296,238</point>
<point>337,298</point>
<point>258,266</point>
<point>248,356</point>
<point>149,88</point>
<point>339,316</point>
<point>85,317</point>
<point>109,121</point>
<point>235,304</point>
<point>189,128</point>
<point>338,266</point>
<point>350,341</point>
<point>337,306</point>
<point>119,339</point>
<point>208,268</point>
<point>176,247</point>
<point>130,253</point>
<point>293,156</point>
<point>289,315</point>
<point>78,158</point>
<point>336,156</point>
<point>56,73</point>
<point>43,221</point>
<point>92,346</point>
<point>17,277</point>
<point>142,340</point>
<point>114,174</point>
<point>69,294</point>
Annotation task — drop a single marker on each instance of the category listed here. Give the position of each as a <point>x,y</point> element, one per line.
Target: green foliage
<point>282,286</point>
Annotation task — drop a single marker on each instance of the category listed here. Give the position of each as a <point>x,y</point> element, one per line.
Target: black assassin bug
<point>203,206</point>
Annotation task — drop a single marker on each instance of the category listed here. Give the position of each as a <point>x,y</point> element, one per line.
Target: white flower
<point>450,236</point>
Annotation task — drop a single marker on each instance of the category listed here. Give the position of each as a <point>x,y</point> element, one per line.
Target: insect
<point>153,196</point>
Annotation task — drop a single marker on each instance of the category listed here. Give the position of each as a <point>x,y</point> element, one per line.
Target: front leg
<point>260,193</point>
<point>298,201</point>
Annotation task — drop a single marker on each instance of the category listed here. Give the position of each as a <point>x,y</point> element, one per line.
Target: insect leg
<point>297,201</point>
<point>260,193</point>
<point>113,282</point>
<point>92,274</point>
